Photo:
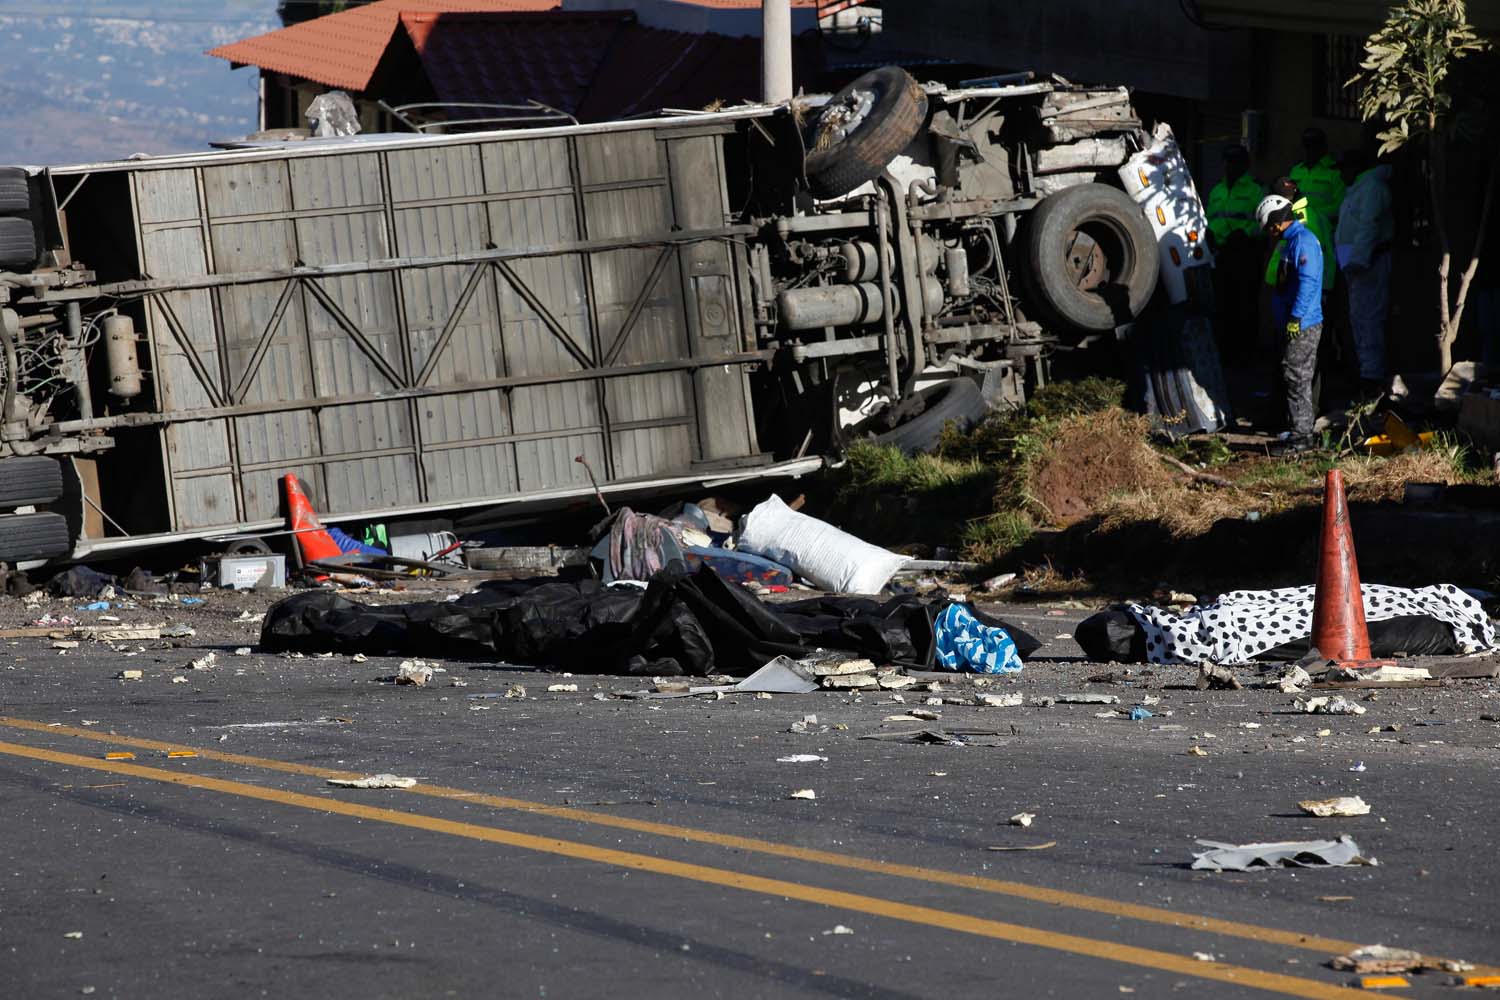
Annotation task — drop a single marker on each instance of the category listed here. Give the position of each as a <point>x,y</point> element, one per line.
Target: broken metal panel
<point>285,335</point>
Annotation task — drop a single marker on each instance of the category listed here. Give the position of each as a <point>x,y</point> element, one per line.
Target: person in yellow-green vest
<point>1236,238</point>
<point>1318,176</point>
<point>1316,223</point>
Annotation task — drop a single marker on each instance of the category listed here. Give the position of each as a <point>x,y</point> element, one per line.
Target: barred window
<point>1342,55</point>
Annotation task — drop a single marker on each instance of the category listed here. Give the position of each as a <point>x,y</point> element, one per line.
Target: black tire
<point>30,479</point>
<point>1091,258</point>
<point>898,110</point>
<point>17,242</point>
<point>15,191</point>
<point>25,537</point>
<point>247,547</point>
<point>958,400</point>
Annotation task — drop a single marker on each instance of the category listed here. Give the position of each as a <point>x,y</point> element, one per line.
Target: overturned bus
<point>440,322</point>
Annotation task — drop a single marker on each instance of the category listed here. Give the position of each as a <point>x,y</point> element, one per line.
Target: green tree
<point>1408,80</point>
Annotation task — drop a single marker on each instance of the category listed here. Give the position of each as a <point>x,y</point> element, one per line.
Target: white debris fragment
<point>1293,679</point>
<point>1344,805</point>
<point>515,692</point>
<point>205,662</point>
<point>417,672</point>
<point>242,651</point>
<point>179,679</point>
<point>129,675</point>
<point>1336,705</point>
<point>562,688</point>
<point>1000,700</point>
<point>838,929</point>
<point>374,781</point>
<point>1204,956</point>
<point>803,793</point>
<point>800,758</point>
<point>1022,819</point>
<point>359,657</point>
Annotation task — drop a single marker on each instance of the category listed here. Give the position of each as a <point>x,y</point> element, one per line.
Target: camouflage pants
<point>1298,365</point>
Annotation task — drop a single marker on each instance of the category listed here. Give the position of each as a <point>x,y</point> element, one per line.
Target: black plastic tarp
<point>682,623</point>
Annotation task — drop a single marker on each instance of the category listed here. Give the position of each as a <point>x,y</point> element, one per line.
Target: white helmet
<point>1269,206</point>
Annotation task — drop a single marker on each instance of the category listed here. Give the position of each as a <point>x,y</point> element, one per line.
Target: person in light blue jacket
<point>1362,241</point>
<point>1297,304</point>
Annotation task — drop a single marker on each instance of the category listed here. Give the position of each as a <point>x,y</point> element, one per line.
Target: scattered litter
<point>943,737</point>
<point>192,600</point>
<point>204,662</point>
<point>242,651</point>
<point>562,688</point>
<point>179,679</point>
<point>1292,680</point>
<point>895,682</point>
<point>1087,699</point>
<point>1249,725</point>
<point>962,642</point>
<point>1000,700</point>
<point>1389,673</point>
<point>1336,705</point>
<point>1026,847</point>
<point>783,675</point>
<point>1022,819</point>
<point>65,644</point>
<point>840,682</point>
<point>93,606</point>
<point>1359,766</point>
<point>1211,676</point>
<point>808,724</point>
<point>832,560</point>
<point>1140,713</point>
<point>249,619</point>
<point>1335,899</point>
<point>179,631</point>
<point>1284,854</point>
<point>416,672</point>
<point>803,793</point>
<point>843,667</point>
<point>925,714</point>
<point>129,675</point>
<point>75,935</point>
<point>800,758</point>
<point>1197,751</point>
<point>1344,805</point>
<point>515,692</point>
<point>1379,959</point>
<point>374,781</point>
<point>1002,580</point>
<point>359,657</point>
<point>1204,956</point>
<point>839,929</point>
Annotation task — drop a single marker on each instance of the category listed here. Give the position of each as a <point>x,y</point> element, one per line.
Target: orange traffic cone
<point>1338,622</point>
<point>312,539</point>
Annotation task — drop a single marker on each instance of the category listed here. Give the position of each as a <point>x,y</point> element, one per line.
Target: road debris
<point>1011,700</point>
<point>782,675</point>
<point>374,781</point>
<point>1344,805</point>
<point>1339,853</point>
<point>1389,673</point>
<point>1382,982</point>
<point>1021,819</point>
<point>807,725</point>
<point>119,755</point>
<point>1336,705</point>
<point>129,675</point>
<point>801,758</point>
<point>562,688</point>
<point>516,692</point>
<point>415,672</point>
<point>204,662</point>
<point>1204,956</point>
<point>1140,713</point>
<point>1084,699</point>
<point>1379,959</point>
<point>803,793</point>
<point>1211,676</point>
<point>179,679</point>
<point>841,668</point>
<point>1025,847</point>
<point>838,929</point>
<point>943,737</point>
<point>1293,679</point>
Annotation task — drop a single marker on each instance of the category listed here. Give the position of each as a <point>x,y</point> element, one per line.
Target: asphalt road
<point>568,845</point>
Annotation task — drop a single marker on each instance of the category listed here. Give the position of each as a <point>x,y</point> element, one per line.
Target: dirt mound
<point>1089,458</point>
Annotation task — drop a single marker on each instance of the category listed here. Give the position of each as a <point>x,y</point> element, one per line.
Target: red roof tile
<point>343,49</point>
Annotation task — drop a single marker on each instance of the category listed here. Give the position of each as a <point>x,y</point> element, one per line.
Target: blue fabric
<point>966,644</point>
<point>349,544</point>
<point>1299,294</point>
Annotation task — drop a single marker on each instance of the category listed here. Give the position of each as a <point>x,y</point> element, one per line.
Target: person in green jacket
<point>1318,176</point>
<point>1236,240</point>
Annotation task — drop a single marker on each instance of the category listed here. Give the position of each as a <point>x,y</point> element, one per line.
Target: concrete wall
<point>1145,44</point>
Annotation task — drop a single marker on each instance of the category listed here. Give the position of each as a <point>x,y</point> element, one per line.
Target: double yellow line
<point>874,906</point>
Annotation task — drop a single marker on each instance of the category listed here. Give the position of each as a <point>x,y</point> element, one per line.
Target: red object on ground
<point>1338,621</point>
<point>314,542</point>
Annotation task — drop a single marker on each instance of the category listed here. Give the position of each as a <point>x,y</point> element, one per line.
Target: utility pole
<point>776,51</point>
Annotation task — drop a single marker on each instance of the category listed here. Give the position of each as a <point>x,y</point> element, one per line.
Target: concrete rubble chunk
<point>374,781</point>
<point>1011,700</point>
<point>843,667</point>
<point>415,672</point>
<point>838,682</point>
<point>1344,805</point>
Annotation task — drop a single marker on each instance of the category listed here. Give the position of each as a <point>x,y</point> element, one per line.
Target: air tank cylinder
<point>120,354</point>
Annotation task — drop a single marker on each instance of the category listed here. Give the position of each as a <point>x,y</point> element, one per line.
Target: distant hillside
<point>106,80</point>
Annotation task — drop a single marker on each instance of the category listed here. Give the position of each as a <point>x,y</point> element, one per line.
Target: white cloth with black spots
<point>1245,623</point>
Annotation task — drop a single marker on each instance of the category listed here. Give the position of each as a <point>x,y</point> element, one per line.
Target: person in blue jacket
<point>1297,303</point>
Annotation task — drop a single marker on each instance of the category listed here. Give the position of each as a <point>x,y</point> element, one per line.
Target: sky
<point>109,78</point>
